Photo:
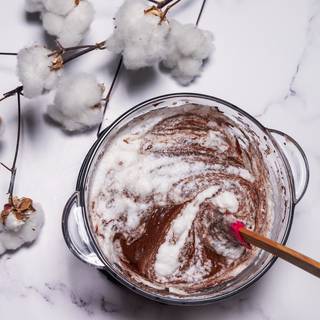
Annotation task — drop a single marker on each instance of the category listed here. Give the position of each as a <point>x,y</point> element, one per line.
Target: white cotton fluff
<point>76,24</point>
<point>15,233</point>
<point>188,48</point>
<point>138,36</point>
<point>52,23</point>
<point>60,7</point>
<point>71,28</point>
<point>34,6</point>
<point>76,105</point>
<point>33,69</point>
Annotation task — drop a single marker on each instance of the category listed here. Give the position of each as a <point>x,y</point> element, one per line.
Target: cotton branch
<point>80,51</point>
<point>62,50</point>
<point>14,164</point>
<point>98,46</point>
<point>13,168</point>
<point>11,93</point>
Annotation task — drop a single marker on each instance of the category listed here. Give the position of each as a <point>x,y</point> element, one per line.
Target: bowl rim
<point>83,175</point>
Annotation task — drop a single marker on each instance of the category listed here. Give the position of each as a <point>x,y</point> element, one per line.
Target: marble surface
<point>266,62</point>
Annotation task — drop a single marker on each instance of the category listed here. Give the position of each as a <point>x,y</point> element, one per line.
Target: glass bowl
<point>289,175</point>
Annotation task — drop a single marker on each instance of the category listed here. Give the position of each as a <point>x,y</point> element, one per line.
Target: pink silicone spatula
<point>247,237</point>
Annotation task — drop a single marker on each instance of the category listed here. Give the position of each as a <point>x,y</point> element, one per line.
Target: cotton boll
<point>34,6</point>
<point>52,23</point>
<point>186,70</point>
<point>191,41</point>
<point>60,7</point>
<point>33,68</point>
<point>76,24</point>
<point>12,223</point>
<point>138,36</point>
<point>80,18</point>
<point>68,39</point>
<point>20,227</point>
<point>77,103</point>
<point>188,47</point>
<point>68,20</point>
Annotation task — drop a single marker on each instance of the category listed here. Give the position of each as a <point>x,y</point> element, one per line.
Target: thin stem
<point>8,53</point>
<point>201,11</point>
<point>80,47</point>
<point>166,10</point>
<point>163,3</point>
<point>99,45</point>
<point>62,50</point>
<point>5,166</point>
<point>14,163</point>
<point>107,98</point>
<point>11,93</point>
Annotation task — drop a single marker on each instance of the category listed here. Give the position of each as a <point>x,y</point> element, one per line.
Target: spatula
<point>247,237</point>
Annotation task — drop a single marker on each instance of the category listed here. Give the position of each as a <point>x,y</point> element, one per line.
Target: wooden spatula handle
<point>281,251</point>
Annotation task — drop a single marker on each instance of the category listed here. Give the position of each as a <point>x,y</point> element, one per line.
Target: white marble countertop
<point>266,62</point>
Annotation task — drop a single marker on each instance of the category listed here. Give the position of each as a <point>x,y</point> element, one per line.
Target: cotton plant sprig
<point>21,219</point>
<point>39,69</point>
<point>20,223</point>
<point>143,35</point>
<point>68,20</point>
<point>139,36</point>
<point>146,37</point>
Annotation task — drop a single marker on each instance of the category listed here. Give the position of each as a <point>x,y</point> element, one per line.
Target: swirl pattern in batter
<point>165,192</point>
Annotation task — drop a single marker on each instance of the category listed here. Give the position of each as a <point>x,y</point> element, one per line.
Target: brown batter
<point>211,173</point>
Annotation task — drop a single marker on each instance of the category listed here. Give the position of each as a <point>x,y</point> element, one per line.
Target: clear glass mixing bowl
<point>289,175</point>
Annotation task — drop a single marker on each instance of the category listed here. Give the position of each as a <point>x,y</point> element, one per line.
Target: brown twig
<point>98,46</point>
<point>201,11</point>
<point>8,53</point>
<point>11,93</point>
<point>13,169</point>
<point>62,50</point>
<point>5,166</point>
<point>162,4</point>
<point>166,10</point>
<point>107,98</point>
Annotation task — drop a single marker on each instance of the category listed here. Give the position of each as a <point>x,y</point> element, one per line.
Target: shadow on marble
<point>53,123</point>
<point>31,118</point>
<point>92,291</point>
<point>139,80</point>
<point>50,41</point>
<point>32,17</point>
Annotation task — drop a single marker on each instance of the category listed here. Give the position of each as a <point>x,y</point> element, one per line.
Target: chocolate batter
<point>166,190</point>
